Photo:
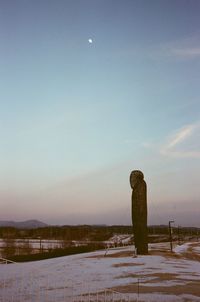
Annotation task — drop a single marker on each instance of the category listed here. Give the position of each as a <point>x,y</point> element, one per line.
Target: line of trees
<point>86,232</point>
<point>10,236</point>
<point>82,232</point>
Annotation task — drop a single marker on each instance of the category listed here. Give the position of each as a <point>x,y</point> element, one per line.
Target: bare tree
<point>9,247</point>
<point>26,247</point>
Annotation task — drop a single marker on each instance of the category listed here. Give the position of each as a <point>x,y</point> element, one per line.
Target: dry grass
<point>192,288</point>
<point>120,254</point>
<point>150,285</point>
<point>126,264</point>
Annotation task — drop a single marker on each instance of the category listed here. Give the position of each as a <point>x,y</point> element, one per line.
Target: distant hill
<point>28,224</point>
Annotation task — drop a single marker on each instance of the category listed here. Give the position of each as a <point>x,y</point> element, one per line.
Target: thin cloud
<point>176,145</point>
<point>188,48</point>
<point>180,136</point>
<point>186,52</point>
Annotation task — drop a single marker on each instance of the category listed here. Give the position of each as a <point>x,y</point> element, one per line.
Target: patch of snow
<point>181,248</point>
<point>91,272</point>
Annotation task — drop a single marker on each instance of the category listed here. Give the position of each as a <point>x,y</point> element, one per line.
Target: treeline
<point>58,252</point>
<point>86,232</point>
<point>17,245</point>
<point>164,230</point>
<point>68,233</point>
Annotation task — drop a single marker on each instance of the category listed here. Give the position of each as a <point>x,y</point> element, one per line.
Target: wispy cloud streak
<point>181,136</point>
<point>188,48</point>
<point>187,52</point>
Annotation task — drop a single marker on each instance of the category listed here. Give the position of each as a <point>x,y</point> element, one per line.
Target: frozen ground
<point>159,276</point>
<point>37,244</point>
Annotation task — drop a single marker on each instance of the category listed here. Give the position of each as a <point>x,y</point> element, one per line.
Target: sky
<point>89,91</point>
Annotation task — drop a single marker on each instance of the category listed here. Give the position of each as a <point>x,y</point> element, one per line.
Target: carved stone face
<point>135,177</point>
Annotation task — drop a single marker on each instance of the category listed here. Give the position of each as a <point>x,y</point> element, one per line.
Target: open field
<point>159,276</point>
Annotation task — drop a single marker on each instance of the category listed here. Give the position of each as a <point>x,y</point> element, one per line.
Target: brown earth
<point>192,288</point>
<point>188,286</point>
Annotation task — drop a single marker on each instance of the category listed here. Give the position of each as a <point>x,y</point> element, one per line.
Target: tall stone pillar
<point>139,211</point>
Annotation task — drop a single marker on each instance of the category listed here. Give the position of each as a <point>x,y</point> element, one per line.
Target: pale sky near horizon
<point>89,91</point>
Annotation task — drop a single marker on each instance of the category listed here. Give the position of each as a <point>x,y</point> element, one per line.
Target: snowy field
<point>38,244</point>
<point>114,275</point>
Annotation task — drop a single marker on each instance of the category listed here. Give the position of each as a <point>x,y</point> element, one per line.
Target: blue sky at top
<point>77,117</point>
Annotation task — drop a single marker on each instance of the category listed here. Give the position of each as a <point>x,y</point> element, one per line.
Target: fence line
<point>6,261</point>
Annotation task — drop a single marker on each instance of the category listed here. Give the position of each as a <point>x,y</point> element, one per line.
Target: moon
<point>90,40</point>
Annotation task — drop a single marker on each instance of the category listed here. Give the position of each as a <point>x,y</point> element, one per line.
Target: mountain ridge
<point>27,224</point>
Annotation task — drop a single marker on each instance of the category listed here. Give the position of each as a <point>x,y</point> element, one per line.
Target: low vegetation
<point>56,253</point>
<point>16,243</point>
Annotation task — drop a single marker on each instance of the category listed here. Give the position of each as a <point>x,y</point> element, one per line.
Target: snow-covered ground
<point>119,239</point>
<point>159,276</point>
<point>37,244</point>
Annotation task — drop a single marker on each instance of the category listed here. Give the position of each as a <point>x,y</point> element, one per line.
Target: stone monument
<point>139,211</point>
